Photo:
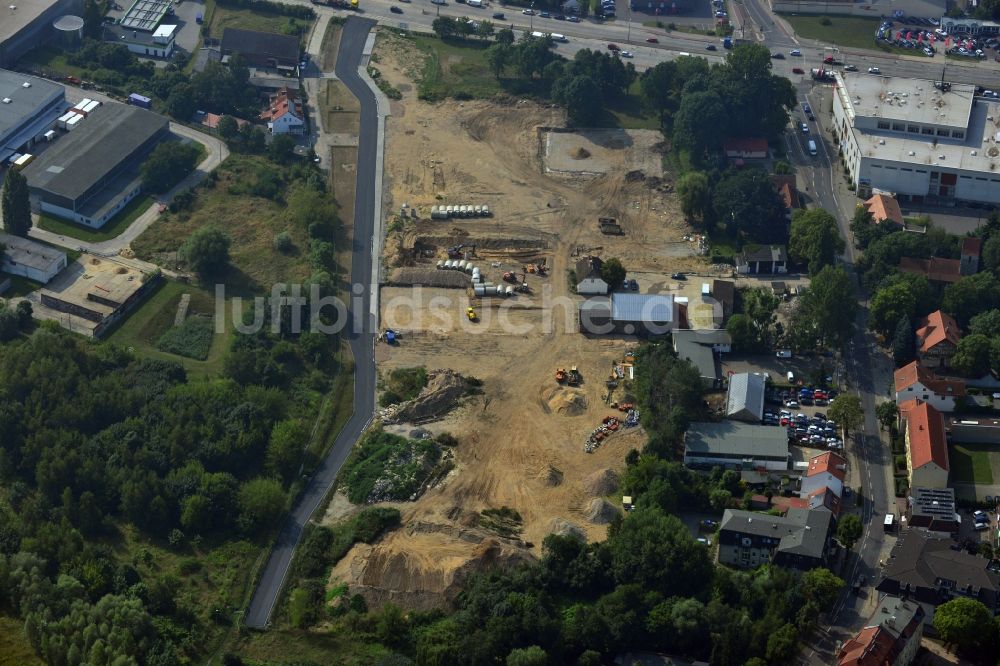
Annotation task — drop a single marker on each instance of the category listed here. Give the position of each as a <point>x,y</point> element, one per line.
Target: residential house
<point>762,260</point>
<point>746,149</point>
<point>884,208</point>
<point>745,397</point>
<point>928,570</point>
<point>31,259</point>
<point>891,637</point>
<point>736,446</point>
<point>800,539</point>
<point>926,448</point>
<point>936,269</point>
<point>972,249</point>
<point>262,49</point>
<point>284,114</point>
<point>827,470</point>
<point>937,339</point>
<point>932,510</point>
<point>211,121</point>
<point>724,293</point>
<point>915,381</point>
<point>588,277</point>
<point>702,348</point>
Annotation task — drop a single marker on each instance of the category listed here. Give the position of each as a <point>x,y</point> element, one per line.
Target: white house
<point>284,113</point>
<point>915,382</point>
<point>588,277</point>
<point>30,259</point>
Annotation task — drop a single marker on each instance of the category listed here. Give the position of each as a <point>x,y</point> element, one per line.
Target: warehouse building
<point>745,397</point>
<point>736,445</point>
<point>922,140</point>
<point>28,108</point>
<point>93,172</point>
<point>27,24</point>
<point>31,259</point>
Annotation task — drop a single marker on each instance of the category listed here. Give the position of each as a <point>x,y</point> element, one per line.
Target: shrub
<point>825,21</point>
<point>283,242</point>
<point>192,339</point>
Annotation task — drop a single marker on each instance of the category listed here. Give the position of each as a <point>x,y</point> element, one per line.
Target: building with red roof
<point>884,208</point>
<point>926,448</point>
<point>937,337</point>
<point>935,269</point>
<point>891,636</point>
<point>746,149</point>
<point>913,381</point>
<point>284,114</point>
<point>972,249</point>
<point>827,470</point>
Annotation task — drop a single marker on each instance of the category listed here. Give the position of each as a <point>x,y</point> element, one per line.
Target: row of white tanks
<point>479,286</point>
<point>444,212</point>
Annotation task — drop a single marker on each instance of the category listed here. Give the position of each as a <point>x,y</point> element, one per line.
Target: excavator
<point>471,314</point>
<point>560,375</point>
<point>455,251</point>
<point>574,378</point>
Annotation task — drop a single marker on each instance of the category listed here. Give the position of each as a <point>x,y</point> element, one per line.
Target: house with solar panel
<point>145,29</point>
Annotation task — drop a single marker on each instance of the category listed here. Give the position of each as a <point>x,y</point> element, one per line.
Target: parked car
<point>874,70</point>
<point>652,40</point>
<point>709,524</point>
<point>544,14</point>
<point>678,276</point>
<point>395,10</point>
<point>778,56</point>
<point>614,47</point>
<point>798,70</point>
<point>705,542</point>
<point>625,54</point>
<point>792,404</point>
<point>850,68</point>
<point>498,16</point>
<point>528,12</point>
<point>710,47</point>
<point>795,52</point>
<point>573,19</point>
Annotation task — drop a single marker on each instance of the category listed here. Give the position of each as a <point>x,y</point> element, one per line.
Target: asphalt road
<point>360,336</point>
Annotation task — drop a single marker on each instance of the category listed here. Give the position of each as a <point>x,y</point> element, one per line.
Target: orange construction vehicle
<point>560,375</point>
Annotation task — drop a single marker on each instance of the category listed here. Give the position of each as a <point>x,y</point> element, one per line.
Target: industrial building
<point>745,397</point>
<point>736,445</point>
<point>30,259</point>
<point>702,348</point>
<point>158,43</point>
<point>27,24</point>
<point>28,108</point>
<point>925,141</point>
<point>93,172</point>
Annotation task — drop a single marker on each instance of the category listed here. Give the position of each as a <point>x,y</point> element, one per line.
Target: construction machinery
<point>470,312</point>
<point>574,377</point>
<point>455,251</point>
<point>560,375</point>
<point>610,226</point>
<point>511,277</point>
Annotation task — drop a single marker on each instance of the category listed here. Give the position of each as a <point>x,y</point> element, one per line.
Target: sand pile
<point>566,528</point>
<point>443,390</point>
<point>602,482</point>
<point>551,475</point>
<point>580,153</point>
<point>601,511</point>
<point>564,400</point>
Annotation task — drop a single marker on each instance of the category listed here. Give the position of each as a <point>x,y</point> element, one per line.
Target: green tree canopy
<point>613,272</point>
<point>16,204</point>
<point>821,586</point>
<point>695,195</point>
<point>972,357</point>
<point>746,202</point>
<point>847,412</point>
<point>970,296</point>
<point>889,306</point>
<point>827,309</point>
<point>966,624</point>
<point>167,165</point>
<point>815,239</point>
<point>582,98</point>
<point>206,251</point>
<point>849,530</point>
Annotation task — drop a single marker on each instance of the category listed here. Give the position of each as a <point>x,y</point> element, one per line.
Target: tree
<point>485,29</point>
<point>701,124</point>
<point>887,413</point>
<point>846,411</point>
<point>889,306</point>
<point>904,342</point>
<point>821,586</point>
<point>282,148</point>
<point>748,204</point>
<point>827,308</point>
<point>849,530</point>
<point>986,323</point>
<point>613,273</point>
<point>498,56</point>
<point>972,356</point>
<point>529,656</point>
<point>782,644</point>
<point>505,36</point>
<point>656,89</point>
<point>744,335</point>
<point>970,296</point>
<point>93,18</point>
<point>228,128</point>
<point>206,251</point>
<point>181,102</point>
<point>991,253</point>
<point>582,98</point>
<point>262,503</point>
<point>966,624</point>
<point>760,305</point>
<point>167,165</point>
<point>815,239</point>
<point>695,195</point>
<point>760,99</point>
<point>444,27</point>
<point>16,206</point>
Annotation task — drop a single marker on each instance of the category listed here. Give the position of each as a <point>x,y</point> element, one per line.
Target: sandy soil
<point>521,442</point>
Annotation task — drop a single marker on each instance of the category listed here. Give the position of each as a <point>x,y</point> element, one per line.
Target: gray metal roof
<point>92,151</point>
<point>24,102</point>
<point>250,43</point>
<point>653,308</point>
<point>765,253</point>
<point>799,531</point>
<point>30,253</point>
<point>895,614</point>
<point>737,439</point>
<point>145,14</point>
<point>696,346</point>
<point>746,394</point>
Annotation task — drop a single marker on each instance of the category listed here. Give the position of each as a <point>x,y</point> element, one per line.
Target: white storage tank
<point>479,210</point>
<point>486,211</point>
<point>510,291</point>
<point>499,290</point>
<point>470,269</point>
<point>440,264</point>
<point>450,211</point>
<point>479,290</point>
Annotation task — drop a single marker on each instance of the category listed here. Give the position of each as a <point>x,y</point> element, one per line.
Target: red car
<point>797,70</point>
<point>652,40</point>
<point>614,47</point>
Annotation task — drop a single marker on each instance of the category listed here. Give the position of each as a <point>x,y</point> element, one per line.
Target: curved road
<point>360,335</point>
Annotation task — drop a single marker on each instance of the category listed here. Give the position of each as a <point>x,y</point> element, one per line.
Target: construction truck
<point>609,226</point>
<point>471,314</point>
<point>560,375</point>
<point>574,377</point>
<point>831,61</point>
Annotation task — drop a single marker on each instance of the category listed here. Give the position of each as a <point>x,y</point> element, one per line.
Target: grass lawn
<point>19,286</point>
<point>50,59</point>
<point>251,222</point>
<point>853,31</point>
<point>230,17</point>
<point>144,327</point>
<point>15,650</point>
<point>112,229</point>
<point>722,244</point>
<point>970,463</point>
<point>291,645</point>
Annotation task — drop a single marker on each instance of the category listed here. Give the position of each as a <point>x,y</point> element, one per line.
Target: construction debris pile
<point>444,389</point>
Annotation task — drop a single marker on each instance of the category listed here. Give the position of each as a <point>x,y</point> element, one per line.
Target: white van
<point>784,353</point>
<point>558,38</point>
<point>812,147</point>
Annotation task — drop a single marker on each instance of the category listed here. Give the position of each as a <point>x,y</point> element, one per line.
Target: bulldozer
<point>574,378</point>
<point>471,314</point>
<point>560,375</point>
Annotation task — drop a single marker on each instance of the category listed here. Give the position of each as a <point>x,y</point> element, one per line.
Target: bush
<point>283,242</point>
<point>824,21</point>
<point>167,165</point>
<point>192,339</point>
<point>387,467</point>
<point>403,384</point>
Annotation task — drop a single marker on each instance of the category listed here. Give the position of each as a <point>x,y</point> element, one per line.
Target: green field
<point>49,60</point>
<point>971,463</point>
<point>851,31</point>
<point>246,19</point>
<point>114,227</point>
<point>14,647</point>
<point>143,328</point>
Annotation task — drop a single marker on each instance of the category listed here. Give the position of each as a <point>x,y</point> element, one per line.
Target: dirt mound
<point>566,528</point>
<point>564,400</point>
<point>602,482</point>
<point>600,511</point>
<point>579,153</point>
<point>551,476</point>
<point>444,388</point>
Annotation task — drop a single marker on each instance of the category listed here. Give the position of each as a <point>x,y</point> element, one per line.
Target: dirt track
<point>521,442</point>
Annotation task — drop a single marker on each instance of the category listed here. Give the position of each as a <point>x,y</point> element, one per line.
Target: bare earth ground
<point>521,442</point>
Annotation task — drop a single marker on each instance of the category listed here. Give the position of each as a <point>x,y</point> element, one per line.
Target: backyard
<point>973,463</point>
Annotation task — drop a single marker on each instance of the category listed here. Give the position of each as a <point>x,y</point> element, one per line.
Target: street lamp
<point>531,18</point>
<point>628,38</point>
